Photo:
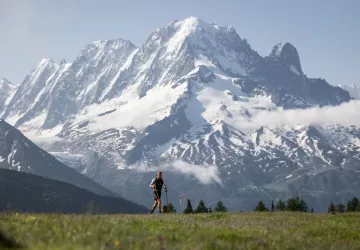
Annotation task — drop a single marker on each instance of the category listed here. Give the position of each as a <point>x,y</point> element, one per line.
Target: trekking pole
<point>167,202</point>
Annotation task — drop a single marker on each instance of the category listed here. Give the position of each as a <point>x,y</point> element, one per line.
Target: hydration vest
<point>158,183</point>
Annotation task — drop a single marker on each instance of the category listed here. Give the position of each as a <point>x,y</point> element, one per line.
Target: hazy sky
<point>325,32</point>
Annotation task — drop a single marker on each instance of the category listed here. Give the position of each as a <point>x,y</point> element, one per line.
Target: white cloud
<point>205,174</point>
<point>48,139</point>
<point>210,102</point>
<point>346,114</point>
<point>43,136</point>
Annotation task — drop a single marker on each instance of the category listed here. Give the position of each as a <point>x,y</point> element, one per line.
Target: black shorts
<point>157,195</point>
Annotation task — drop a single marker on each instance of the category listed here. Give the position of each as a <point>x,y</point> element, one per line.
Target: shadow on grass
<point>7,242</point>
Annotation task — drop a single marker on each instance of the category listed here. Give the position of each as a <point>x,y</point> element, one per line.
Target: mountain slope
<point>57,91</point>
<point>34,194</point>
<point>198,102</point>
<point>31,88</point>
<point>20,154</point>
<point>7,90</point>
<point>353,90</point>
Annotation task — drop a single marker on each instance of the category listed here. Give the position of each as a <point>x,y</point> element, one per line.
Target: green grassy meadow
<point>252,230</point>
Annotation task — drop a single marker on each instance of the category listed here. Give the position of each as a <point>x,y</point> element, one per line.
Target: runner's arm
<point>152,184</point>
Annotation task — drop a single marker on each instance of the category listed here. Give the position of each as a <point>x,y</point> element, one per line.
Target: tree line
<point>292,204</point>
<point>201,208</point>
<point>353,205</point>
<point>298,204</point>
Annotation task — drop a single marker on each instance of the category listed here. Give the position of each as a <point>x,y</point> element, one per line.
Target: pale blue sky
<point>325,32</point>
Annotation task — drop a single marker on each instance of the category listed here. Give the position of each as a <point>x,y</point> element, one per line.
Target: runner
<point>156,184</point>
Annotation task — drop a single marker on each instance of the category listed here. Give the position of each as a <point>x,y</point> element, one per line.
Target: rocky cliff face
<point>7,90</point>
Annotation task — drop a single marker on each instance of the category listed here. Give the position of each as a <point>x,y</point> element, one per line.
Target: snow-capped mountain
<point>353,90</point>
<point>194,93</point>
<point>53,92</point>
<point>7,90</point>
<point>20,154</point>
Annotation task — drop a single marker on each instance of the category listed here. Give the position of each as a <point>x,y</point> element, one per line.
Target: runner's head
<point>159,174</point>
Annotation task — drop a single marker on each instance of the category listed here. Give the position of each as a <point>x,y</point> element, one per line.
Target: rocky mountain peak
<point>3,80</point>
<point>63,61</point>
<point>287,54</point>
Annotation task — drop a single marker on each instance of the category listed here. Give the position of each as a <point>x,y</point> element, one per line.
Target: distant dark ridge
<point>23,192</point>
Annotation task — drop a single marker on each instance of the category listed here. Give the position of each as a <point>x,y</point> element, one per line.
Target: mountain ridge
<point>353,89</point>
<point>7,90</point>
<point>18,153</point>
<point>35,194</point>
<point>184,36</point>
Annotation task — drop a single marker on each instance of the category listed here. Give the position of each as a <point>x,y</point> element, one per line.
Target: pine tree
<point>210,210</point>
<point>303,206</point>
<point>188,209</point>
<point>220,207</point>
<point>296,204</point>
<point>340,208</point>
<point>349,207</point>
<point>354,203</point>
<point>261,207</point>
<point>170,208</point>
<point>357,208</point>
<point>291,205</point>
<point>201,208</point>
<point>331,208</point>
<point>280,205</point>
<point>297,198</point>
<point>272,205</point>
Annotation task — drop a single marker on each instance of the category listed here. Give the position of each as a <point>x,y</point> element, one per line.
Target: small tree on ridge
<point>188,209</point>
<point>220,207</point>
<point>261,207</point>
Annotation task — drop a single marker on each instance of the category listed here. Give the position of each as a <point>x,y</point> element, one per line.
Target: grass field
<point>279,230</point>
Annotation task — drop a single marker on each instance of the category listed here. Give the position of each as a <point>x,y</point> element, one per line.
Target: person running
<point>156,184</point>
